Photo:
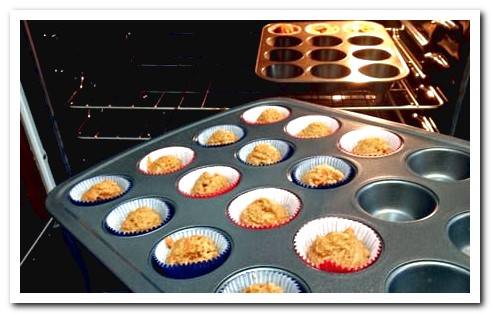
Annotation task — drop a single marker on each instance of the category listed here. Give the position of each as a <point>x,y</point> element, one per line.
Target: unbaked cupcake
<point>208,181</point>
<point>312,126</point>
<point>370,142</point>
<point>265,152</point>
<point>220,135</point>
<point>265,114</point>
<point>166,160</point>
<point>99,189</point>
<point>319,172</point>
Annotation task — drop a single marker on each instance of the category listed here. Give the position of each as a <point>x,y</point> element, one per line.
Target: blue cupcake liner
<point>302,167</point>
<point>203,137</point>
<point>118,215</point>
<point>184,271</point>
<point>285,149</point>
<point>80,188</point>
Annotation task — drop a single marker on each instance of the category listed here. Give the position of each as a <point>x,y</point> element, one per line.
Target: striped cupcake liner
<point>205,135</point>
<point>306,236</point>
<point>186,183</point>
<point>285,149</point>
<point>304,166</point>
<point>80,188</point>
<point>295,126</point>
<point>191,270</point>
<point>349,140</point>
<point>118,215</point>
<point>184,154</point>
<point>250,116</point>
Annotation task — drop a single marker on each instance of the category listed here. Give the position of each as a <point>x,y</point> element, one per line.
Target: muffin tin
<point>353,55</point>
<point>419,208</point>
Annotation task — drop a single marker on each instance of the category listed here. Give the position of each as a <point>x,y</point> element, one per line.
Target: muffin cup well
<point>286,199</point>
<point>283,147</point>
<point>250,116</point>
<point>184,154</point>
<point>306,236</point>
<point>80,188</point>
<point>204,136</point>
<point>118,215</point>
<point>304,166</point>
<point>261,275</point>
<point>295,126</point>
<point>186,183</point>
<point>190,270</point>
<point>349,140</point>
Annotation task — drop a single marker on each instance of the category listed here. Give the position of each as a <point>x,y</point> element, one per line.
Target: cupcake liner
<point>186,183</point>
<point>349,140</point>
<point>283,147</point>
<point>261,275</point>
<point>250,116</point>
<point>186,155</point>
<point>118,215</point>
<point>203,137</point>
<point>298,124</point>
<point>322,226</point>
<point>190,270</point>
<point>285,198</point>
<point>80,188</point>
<point>304,166</point>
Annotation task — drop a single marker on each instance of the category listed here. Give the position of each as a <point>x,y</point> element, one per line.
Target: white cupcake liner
<point>304,166</point>
<point>117,216</point>
<point>186,183</point>
<point>349,140</point>
<point>261,275</point>
<point>186,155</point>
<point>286,199</point>
<point>272,27</point>
<point>283,147</point>
<point>203,137</point>
<point>295,126</point>
<point>251,115</point>
<point>306,236</point>
<point>310,29</point>
<point>80,188</point>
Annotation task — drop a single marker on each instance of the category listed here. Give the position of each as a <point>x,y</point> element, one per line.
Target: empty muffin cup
<point>325,41</point>
<point>372,54</point>
<point>458,229</point>
<point>251,116</point>
<point>284,41</point>
<point>283,71</point>
<point>117,216</point>
<point>188,181</point>
<point>440,164</point>
<point>349,141</point>
<point>365,40</point>
<point>205,135</point>
<point>286,199</point>
<point>184,154</point>
<point>191,269</point>
<point>284,148</point>
<point>284,55</point>
<point>295,126</point>
<point>306,236</point>
<point>330,71</point>
<point>380,70</point>
<point>303,167</point>
<point>397,200</point>
<point>325,55</point>
<point>77,192</point>
<point>239,282</point>
<point>428,277</point>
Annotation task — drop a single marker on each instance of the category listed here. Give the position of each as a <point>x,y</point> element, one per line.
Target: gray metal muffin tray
<point>426,240</point>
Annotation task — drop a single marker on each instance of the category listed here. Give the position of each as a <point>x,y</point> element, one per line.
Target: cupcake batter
<point>102,190</point>
<point>222,137</point>
<point>322,175</point>
<point>263,212</point>
<point>164,164</point>
<point>141,219</point>
<point>314,130</point>
<point>372,146</point>
<point>270,115</point>
<point>209,183</point>
<point>263,154</point>
<point>192,249</point>
<point>263,288</point>
<point>285,29</point>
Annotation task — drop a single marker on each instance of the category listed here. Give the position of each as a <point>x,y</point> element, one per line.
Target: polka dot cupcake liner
<point>118,215</point>
<point>250,116</point>
<point>295,126</point>
<point>205,135</point>
<point>306,236</point>
<point>285,149</point>
<point>261,275</point>
<point>191,270</point>
<point>186,183</point>
<point>80,188</point>
<point>349,140</point>
<point>286,199</point>
<point>184,154</point>
<point>304,166</point>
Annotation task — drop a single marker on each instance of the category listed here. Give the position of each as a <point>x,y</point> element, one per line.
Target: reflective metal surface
<point>459,232</point>
<point>440,164</point>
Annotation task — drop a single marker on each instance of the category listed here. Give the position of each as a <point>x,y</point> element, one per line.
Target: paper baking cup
<point>349,140</point>
<point>304,166</point>
<point>186,155</point>
<point>186,183</point>
<point>80,188</point>
<point>190,270</point>
<point>285,198</point>
<point>250,116</point>
<point>203,137</point>
<point>118,215</point>
<point>261,275</point>
<point>320,227</point>
<point>295,126</point>
<point>283,147</point>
